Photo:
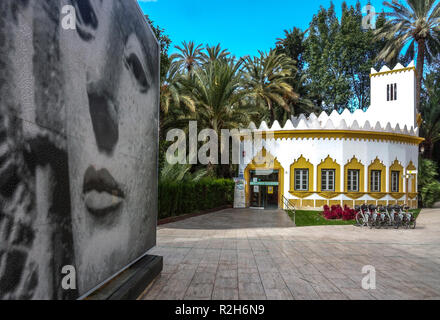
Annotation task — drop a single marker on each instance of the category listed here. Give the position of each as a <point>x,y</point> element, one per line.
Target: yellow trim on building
<point>348,203</point>
<point>264,160</point>
<point>308,203</point>
<point>354,164</point>
<point>340,134</point>
<point>396,166</point>
<point>329,163</point>
<point>379,166</point>
<point>392,71</point>
<point>301,163</point>
<point>320,203</point>
<point>413,180</point>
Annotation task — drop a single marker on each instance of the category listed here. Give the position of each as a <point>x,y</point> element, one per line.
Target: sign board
<point>260,172</point>
<point>241,172</point>
<point>270,190</point>
<point>411,171</point>
<point>264,183</point>
<point>256,189</point>
<point>239,193</point>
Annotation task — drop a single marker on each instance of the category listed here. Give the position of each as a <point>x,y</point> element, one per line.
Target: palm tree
<point>415,26</point>
<point>176,104</point>
<point>267,80</point>
<point>180,172</point>
<point>171,93</point>
<point>189,56</point>
<point>217,92</point>
<point>214,53</point>
<point>430,128</point>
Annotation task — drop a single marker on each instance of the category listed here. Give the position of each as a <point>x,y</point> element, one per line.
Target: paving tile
<point>227,273</point>
<point>332,296</point>
<point>226,283</point>
<point>251,291</point>
<point>203,277</point>
<point>301,288</point>
<point>234,246</point>
<point>199,291</point>
<point>357,294</point>
<point>278,294</point>
<point>249,277</point>
<point>272,280</point>
<point>225,294</point>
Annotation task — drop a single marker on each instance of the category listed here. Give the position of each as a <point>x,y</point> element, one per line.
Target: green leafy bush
<point>429,186</point>
<point>178,198</point>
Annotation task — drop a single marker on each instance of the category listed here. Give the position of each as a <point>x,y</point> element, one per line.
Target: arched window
<point>396,179</point>
<point>376,179</point>
<point>301,178</point>
<point>354,172</point>
<point>329,178</point>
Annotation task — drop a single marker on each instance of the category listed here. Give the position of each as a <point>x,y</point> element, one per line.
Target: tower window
<point>392,92</point>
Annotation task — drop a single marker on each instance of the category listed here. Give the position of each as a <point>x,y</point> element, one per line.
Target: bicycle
<point>362,215</point>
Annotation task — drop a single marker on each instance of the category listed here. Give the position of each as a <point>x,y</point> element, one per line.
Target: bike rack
<point>289,207</point>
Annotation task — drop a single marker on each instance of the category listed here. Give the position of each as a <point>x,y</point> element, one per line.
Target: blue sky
<point>242,26</point>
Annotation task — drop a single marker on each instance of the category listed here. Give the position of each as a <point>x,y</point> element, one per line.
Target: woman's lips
<point>102,194</point>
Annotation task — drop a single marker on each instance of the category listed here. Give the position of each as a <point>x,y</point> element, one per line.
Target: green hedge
<point>178,198</point>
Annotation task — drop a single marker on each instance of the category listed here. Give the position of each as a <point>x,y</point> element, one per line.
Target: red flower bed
<point>348,214</point>
<point>337,212</point>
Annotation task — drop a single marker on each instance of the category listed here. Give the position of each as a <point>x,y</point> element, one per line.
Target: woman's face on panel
<point>112,132</point>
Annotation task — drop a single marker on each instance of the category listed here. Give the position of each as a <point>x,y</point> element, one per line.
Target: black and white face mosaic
<point>111,102</point>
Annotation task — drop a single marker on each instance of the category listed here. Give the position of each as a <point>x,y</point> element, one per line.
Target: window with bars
<point>327,180</point>
<point>375,181</point>
<point>392,92</point>
<point>395,181</point>
<point>353,180</point>
<point>302,179</point>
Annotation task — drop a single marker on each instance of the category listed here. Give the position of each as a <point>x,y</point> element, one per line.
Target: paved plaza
<point>259,254</point>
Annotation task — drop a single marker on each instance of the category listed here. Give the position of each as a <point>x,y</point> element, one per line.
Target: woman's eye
<point>87,19</point>
<point>135,66</point>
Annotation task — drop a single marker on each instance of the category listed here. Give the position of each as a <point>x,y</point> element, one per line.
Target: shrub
<point>429,186</point>
<point>348,213</point>
<point>337,212</point>
<point>178,198</point>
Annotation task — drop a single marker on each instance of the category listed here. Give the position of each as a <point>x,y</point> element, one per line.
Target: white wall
<point>316,150</point>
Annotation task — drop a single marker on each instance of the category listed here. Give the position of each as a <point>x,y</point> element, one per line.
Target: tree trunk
<point>419,73</point>
<point>429,148</point>
<point>272,114</point>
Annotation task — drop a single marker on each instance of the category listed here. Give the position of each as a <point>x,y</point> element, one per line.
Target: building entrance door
<point>264,188</point>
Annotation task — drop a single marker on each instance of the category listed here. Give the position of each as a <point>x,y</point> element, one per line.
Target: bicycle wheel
<point>360,219</point>
<point>370,222</point>
<point>378,223</point>
<point>396,222</point>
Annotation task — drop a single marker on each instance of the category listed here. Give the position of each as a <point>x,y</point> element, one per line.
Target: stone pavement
<point>258,254</point>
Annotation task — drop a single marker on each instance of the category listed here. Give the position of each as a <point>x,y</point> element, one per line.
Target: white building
<point>349,158</point>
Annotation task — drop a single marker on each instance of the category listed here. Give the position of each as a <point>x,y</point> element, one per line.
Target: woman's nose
<point>104,116</point>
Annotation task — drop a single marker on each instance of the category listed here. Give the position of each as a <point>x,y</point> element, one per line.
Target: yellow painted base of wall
<point>310,204</point>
